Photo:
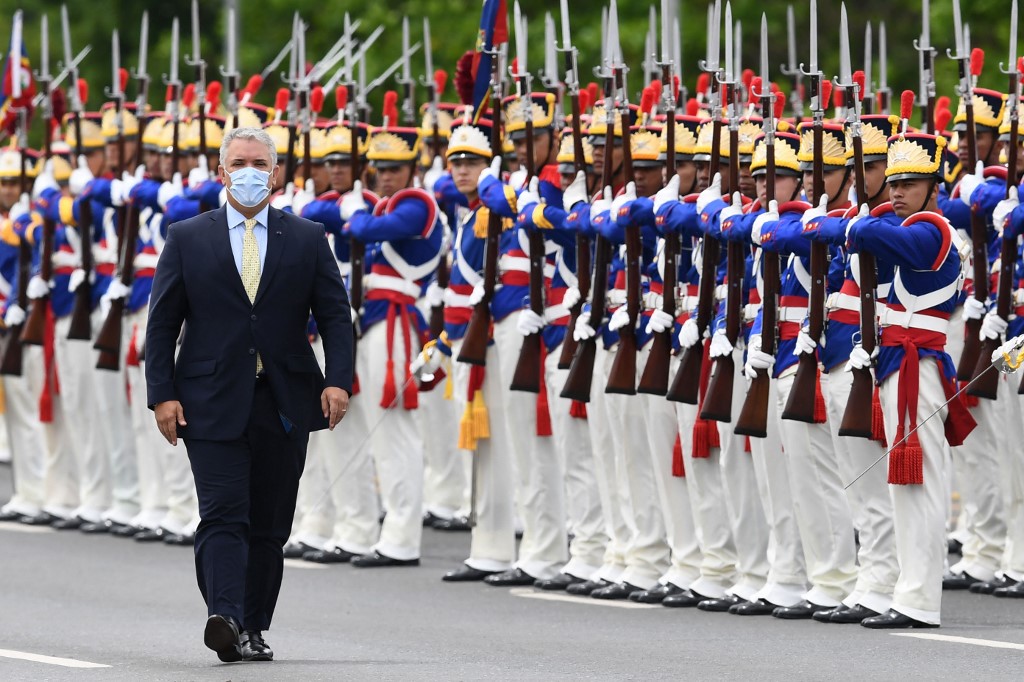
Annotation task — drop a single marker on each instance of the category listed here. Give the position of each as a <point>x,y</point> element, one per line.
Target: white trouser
<point>743,498</point>
<point>868,498</point>
<point>609,465</point>
<point>822,511</point>
<point>979,481</point>
<point>493,538</point>
<point>583,503</point>
<point>958,525</point>
<point>397,448</point>
<point>1013,557</point>
<point>33,489</point>
<point>446,468</point>
<point>540,476</point>
<point>787,575</point>
<point>75,372</point>
<point>919,511</point>
<point>673,491</point>
<point>647,555</point>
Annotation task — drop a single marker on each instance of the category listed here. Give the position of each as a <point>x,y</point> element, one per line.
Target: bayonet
<point>230,71</point>
<point>791,68</point>
<point>388,72</point>
<point>549,76</point>
<point>405,80</point>
<point>927,52</point>
<point>141,74</point>
<point>868,94</point>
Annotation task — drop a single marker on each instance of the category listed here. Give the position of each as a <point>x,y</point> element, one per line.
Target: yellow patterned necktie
<point>251,270</point>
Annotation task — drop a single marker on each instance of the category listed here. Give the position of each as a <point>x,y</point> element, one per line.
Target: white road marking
<point>50,660</point>
<point>530,593</point>
<point>23,528</point>
<point>993,643</point>
<point>302,563</point>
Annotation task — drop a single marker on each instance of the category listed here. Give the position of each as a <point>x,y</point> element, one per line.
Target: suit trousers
<point>29,455</point>
<point>247,489</point>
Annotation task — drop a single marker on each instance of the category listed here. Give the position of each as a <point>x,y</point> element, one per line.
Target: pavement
<point>77,607</point>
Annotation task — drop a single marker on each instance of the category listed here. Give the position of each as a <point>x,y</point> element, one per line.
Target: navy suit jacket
<point>197,284</point>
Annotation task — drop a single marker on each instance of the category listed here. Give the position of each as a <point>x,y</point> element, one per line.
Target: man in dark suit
<point>246,389</point>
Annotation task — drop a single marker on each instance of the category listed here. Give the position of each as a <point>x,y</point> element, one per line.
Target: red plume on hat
<point>584,100</point>
<point>213,91</point>
<point>316,99</point>
<point>942,102</point>
<point>281,100</point>
<point>59,103</point>
<point>595,92</point>
<point>747,78</point>
<point>907,100</point>
<point>826,93</point>
<point>858,78</point>
<point>390,108</point>
<point>341,97</point>
<point>942,119</point>
<point>464,78</point>
<point>753,90</point>
<point>254,84</point>
<point>189,96</point>
<point>122,77</point>
<point>977,61</point>
<point>780,104</point>
<point>647,101</point>
<point>440,81</point>
<point>703,81</point>
<point>692,107</point>
<point>83,91</point>
<point>675,87</point>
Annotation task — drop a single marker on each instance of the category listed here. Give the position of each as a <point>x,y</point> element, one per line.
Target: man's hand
<point>169,416</point>
<point>334,403</point>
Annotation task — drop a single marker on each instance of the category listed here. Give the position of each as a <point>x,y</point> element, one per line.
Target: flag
<point>493,32</point>
<point>9,104</point>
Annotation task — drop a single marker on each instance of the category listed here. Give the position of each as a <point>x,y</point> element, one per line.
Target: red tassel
<point>877,419</point>
<point>132,358</point>
<point>820,414</point>
<point>701,439</point>
<point>50,385</point>
<point>969,400</point>
<point>355,385</point>
<point>578,410</point>
<point>390,391</point>
<point>411,394</point>
<point>705,433</point>
<point>746,444</point>
<point>543,413</point>
<point>714,438</point>
<point>906,462</point>
<point>678,468</point>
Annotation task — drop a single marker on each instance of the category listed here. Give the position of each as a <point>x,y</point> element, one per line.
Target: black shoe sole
<point>220,637</point>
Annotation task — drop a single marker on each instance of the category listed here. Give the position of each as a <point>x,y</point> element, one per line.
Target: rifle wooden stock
<point>80,328</point>
<point>971,353</point>
<point>442,273</point>
<point>108,341</point>
<point>581,373</point>
<point>526,376</point>
<point>356,258</point>
<point>34,329</point>
<point>622,375</point>
<point>11,363</point>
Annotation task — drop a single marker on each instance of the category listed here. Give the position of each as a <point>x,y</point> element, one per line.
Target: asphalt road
<point>135,610</point>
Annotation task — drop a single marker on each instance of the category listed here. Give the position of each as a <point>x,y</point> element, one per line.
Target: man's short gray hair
<point>257,134</point>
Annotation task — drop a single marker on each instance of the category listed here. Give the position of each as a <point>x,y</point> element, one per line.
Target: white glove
<point>416,182</point>
<point>121,189</point>
<point>864,212</point>
<point>1008,348</point>
<point>603,204</point>
<point>993,327</point>
<point>732,210</point>
<point>116,290</point>
<point>619,319</point>
<point>306,195</point>
<point>199,174</point>
<point>434,295</point>
<point>170,190</point>
<point>37,288</point>
<point>529,195</point>
<point>15,315</point>
<point>769,216</point>
<point>477,295</point>
<point>433,174</point>
<point>575,192</point>
<point>669,192</point>
<point>720,346</point>
<point>529,322</point>
<point>352,202</point>
<point>627,196</point>
<point>20,208</point>
<point>659,322</point>
<point>757,360</point>
<point>80,177</point>
<point>815,212</point>
<point>851,195</point>
<point>804,344</point>
<point>44,180</point>
<point>712,193</point>
<point>1003,210</point>
<point>974,309</point>
<point>583,330</point>
<point>689,335</point>
<point>969,183</point>
<point>426,363</point>
<point>517,178</point>
<point>76,279</point>
<point>572,297</point>
<point>859,358</point>
<point>492,171</point>
<point>284,198</point>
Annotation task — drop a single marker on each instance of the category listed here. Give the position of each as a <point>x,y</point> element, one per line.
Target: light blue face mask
<point>249,186</point>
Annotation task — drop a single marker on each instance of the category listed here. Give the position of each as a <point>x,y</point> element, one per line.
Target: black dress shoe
<point>254,647</point>
<point>430,518</point>
<point>1015,591</point>
<point>955,547</point>
<point>656,594</point>
<point>378,560</point>
<point>514,577</point>
<point>616,591</point>
<point>295,550</point>
<point>992,586</point>
<point>73,523</point>
<point>892,620</point>
<point>95,527</point>
<point>221,635</point>
<point>179,539</point>
<point>586,587</point>
<point>761,607</point>
<point>328,556</point>
<point>466,574</point>
<point>720,605</point>
<point>10,515</point>
<point>854,614</point>
<point>40,519</point>
<point>456,524</point>
<point>826,615</point>
<point>559,582</point>
<point>958,581</point>
<point>685,599</point>
<point>801,611</point>
<point>123,530</point>
<point>149,535</point>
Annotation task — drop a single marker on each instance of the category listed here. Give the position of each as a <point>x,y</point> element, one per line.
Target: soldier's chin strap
<point>928,197</point>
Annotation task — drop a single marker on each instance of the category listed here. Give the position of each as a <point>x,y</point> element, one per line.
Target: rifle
<point>792,69</point>
<point>200,66</point>
<point>435,84</point>
<point>11,363</point>
<point>292,79</point>
<point>478,332</point>
<point>717,404</point>
<point>108,341</point>
<point>987,386</point>
<point>800,405</point>
<point>529,370</point>
<point>230,72</point>
<point>924,47</point>
<point>753,419</point>
<point>405,79</point>
<point>857,416</point>
<point>686,385</point>
<point>80,328</point>
<point>654,379</point>
<point>572,85</point>
<point>356,249</point>
<point>884,92</point>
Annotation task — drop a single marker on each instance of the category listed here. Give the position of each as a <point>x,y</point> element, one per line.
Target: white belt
<point>104,256</point>
<point>653,301</point>
<point>374,281</point>
<point>145,260</point>
<point>840,301</point>
<point>617,297</point>
<point>750,311</point>
<point>509,263</point>
<point>345,269</point>
<point>555,312</point>
<point>788,313</point>
<point>721,291</point>
<point>65,259</point>
<point>901,318</point>
<point>454,300</point>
